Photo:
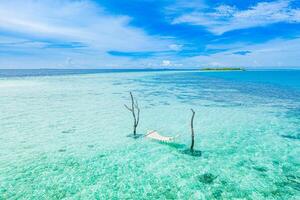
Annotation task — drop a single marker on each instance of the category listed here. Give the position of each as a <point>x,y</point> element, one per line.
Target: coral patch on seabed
<point>207,178</point>
<point>71,130</point>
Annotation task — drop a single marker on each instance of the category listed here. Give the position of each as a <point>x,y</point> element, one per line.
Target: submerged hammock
<point>156,136</point>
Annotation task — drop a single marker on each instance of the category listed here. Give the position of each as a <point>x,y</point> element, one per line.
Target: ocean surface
<point>64,135</point>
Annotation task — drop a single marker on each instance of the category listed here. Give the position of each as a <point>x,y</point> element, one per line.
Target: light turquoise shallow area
<point>65,137</point>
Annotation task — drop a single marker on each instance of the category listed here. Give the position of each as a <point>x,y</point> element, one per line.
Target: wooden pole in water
<point>136,116</point>
<point>192,129</point>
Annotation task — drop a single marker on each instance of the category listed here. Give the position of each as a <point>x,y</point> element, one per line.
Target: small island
<point>223,69</point>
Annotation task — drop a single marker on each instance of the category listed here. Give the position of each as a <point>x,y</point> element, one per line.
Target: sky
<point>149,34</point>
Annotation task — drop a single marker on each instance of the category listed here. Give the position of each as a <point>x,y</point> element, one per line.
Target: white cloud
<point>175,47</point>
<point>33,24</point>
<point>215,64</point>
<point>169,63</point>
<point>166,63</point>
<point>275,53</point>
<point>227,18</point>
<point>182,5</point>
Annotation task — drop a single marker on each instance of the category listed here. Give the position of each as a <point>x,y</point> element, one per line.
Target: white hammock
<point>156,136</point>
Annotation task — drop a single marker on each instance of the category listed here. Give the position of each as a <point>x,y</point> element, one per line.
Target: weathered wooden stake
<point>133,109</point>
<point>192,129</point>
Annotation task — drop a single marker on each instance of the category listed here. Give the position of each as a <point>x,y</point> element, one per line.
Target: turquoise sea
<point>63,134</point>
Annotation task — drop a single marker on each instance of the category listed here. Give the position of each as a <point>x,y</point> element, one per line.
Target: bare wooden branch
<point>192,130</point>
<point>136,116</point>
<point>127,107</point>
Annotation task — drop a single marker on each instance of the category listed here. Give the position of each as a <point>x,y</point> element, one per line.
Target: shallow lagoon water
<point>65,137</point>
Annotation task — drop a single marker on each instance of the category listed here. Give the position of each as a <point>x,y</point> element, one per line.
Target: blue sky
<point>149,33</point>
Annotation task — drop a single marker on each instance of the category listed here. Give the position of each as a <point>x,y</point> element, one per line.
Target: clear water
<point>65,137</point>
